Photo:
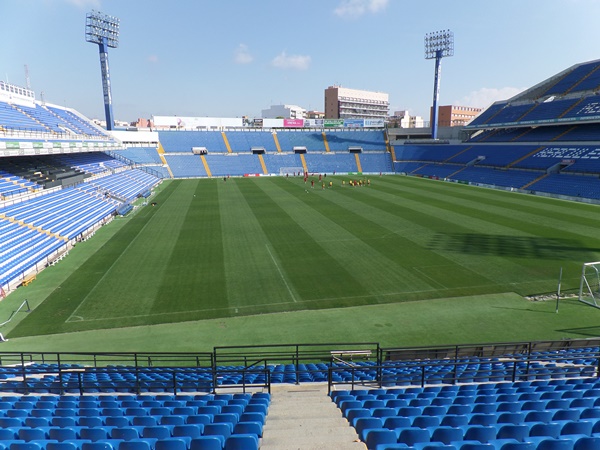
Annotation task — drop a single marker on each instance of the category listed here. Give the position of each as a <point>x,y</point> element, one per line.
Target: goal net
<point>291,171</point>
<point>589,287</point>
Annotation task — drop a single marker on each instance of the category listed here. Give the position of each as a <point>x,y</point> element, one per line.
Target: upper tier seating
<point>46,119</point>
<point>583,77</point>
<point>369,140</point>
<point>141,155</point>
<point>75,122</point>
<point>13,119</point>
<point>245,141</point>
<point>311,140</point>
<point>183,141</point>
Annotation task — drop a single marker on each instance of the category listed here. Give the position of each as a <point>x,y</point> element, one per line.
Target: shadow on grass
<point>512,246</point>
<point>584,331</point>
<point>523,309</point>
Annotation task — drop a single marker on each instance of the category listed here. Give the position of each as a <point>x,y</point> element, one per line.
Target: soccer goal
<point>589,288</point>
<point>291,171</point>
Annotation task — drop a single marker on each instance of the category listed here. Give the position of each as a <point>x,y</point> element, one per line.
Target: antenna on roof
<point>27,80</point>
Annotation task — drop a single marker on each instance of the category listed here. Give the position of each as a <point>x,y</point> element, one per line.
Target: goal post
<point>589,286</point>
<point>291,171</point>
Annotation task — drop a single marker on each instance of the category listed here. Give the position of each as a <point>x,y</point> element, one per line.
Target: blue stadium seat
<point>546,429</point>
<point>411,436</point>
<point>134,445</point>
<point>382,436</point>
<point>555,444</point>
<point>587,443</point>
<point>62,434</point>
<point>518,432</point>
<point>31,434</point>
<point>202,419</point>
<point>519,446</point>
<point>171,444</point>
<point>207,443</point>
<point>93,434</point>
<point>447,435</point>
<point>392,423</point>
<point>156,432</point>
<point>480,433</point>
<point>61,446</point>
<point>240,442</point>
<point>190,430</point>
<point>255,428</point>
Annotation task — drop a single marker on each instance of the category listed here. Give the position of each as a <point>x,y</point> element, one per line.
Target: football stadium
<point>301,283</point>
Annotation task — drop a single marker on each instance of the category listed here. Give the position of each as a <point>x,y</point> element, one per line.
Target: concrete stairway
<point>304,417</point>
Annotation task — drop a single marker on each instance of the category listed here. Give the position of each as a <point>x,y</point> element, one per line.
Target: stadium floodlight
<point>438,45</point>
<point>103,30</point>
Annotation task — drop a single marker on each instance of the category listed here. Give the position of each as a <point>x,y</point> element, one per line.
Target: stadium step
<point>325,142</point>
<point>303,159</point>
<point>263,165</point>
<point>358,166</point>
<point>305,417</point>
<point>205,164</point>
<point>276,139</point>
<point>227,146</point>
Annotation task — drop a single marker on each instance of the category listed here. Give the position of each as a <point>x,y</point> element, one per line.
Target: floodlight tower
<point>438,44</point>
<point>103,30</point>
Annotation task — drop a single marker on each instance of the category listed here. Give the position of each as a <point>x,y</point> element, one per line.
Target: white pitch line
<point>315,300</point>
<point>281,274</point>
<point>72,315</point>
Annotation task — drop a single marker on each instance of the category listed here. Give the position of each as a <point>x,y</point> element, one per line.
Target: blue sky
<point>230,58</point>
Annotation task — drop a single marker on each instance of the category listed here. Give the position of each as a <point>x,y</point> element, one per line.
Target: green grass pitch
<point>212,254</point>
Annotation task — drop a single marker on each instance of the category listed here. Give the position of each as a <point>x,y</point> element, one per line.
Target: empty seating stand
<point>549,414</point>
<point>126,422</point>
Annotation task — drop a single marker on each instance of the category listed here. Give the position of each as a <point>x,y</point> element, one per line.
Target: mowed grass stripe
<point>410,239</point>
<point>554,209</point>
<point>326,249</point>
<point>432,220</point>
<point>304,262</point>
<point>500,207</point>
<point>195,278</point>
<point>538,238</point>
<point>251,274</point>
<point>517,228</point>
<point>348,240</point>
<point>398,262</point>
<point>137,275</point>
<point>51,316</point>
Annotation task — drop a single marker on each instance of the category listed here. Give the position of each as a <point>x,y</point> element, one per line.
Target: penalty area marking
<point>243,307</point>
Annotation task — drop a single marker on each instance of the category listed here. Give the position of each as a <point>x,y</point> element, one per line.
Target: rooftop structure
<point>345,103</point>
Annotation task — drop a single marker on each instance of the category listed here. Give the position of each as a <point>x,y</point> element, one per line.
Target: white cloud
<point>353,9</point>
<point>152,59</point>
<point>241,55</point>
<point>484,97</point>
<point>296,62</point>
